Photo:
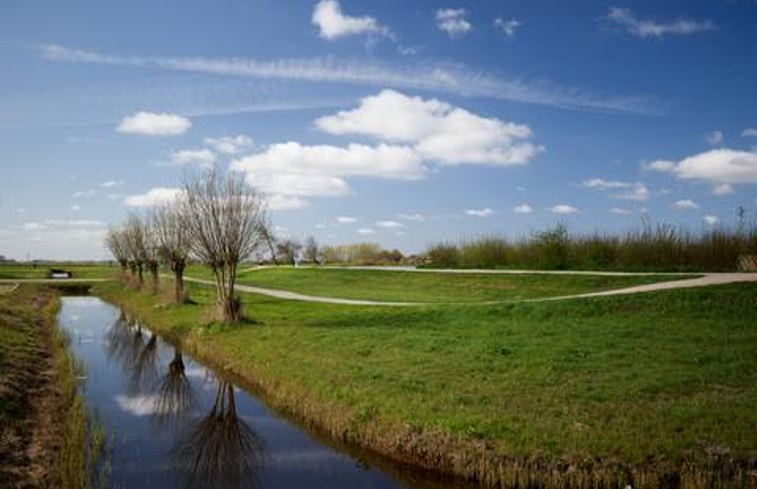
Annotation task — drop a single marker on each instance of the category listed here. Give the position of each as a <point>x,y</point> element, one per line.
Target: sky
<point>397,122</point>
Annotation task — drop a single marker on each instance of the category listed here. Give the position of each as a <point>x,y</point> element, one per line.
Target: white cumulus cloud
<point>523,209</point>
<point>346,220</point>
<point>412,217</point>
<point>485,212</point>
<point>389,224</point>
<point>749,132</point>
<point>602,184</point>
<point>155,196</point>
<point>717,166</point>
<point>711,219</point>
<point>333,23</point>
<point>722,189</point>
<point>230,145</point>
<point>685,205</point>
<point>437,130</point>
<point>152,124</point>
<point>453,21</point>
<point>201,157</point>
<point>639,191</point>
<point>279,202</point>
<point>563,209</point>
<point>365,231</point>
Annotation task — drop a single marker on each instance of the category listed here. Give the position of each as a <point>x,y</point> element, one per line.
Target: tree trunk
<point>153,267</point>
<point>140,271</point>
<point>178,270</point>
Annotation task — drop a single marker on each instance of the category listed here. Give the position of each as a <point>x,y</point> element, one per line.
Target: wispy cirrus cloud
<point>645,28</point>
<point>434,76</point>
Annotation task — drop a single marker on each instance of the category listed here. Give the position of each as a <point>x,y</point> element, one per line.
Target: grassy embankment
<point>391,286</point>
<point>42,419</point>
<point>653,390</point>
<point>42,270</point>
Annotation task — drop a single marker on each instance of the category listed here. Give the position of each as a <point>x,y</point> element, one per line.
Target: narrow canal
<point>171,422</point>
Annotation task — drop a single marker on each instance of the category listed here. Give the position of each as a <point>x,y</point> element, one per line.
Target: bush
<point>444,255</point>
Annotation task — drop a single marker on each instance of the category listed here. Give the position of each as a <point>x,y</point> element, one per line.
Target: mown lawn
<point>648,380</point>
<point>431,287</point>
<point>42,270</point>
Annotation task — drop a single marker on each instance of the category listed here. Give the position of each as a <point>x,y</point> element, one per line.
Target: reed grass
<point>650,247</point>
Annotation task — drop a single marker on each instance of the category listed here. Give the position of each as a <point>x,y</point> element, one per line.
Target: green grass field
<point>653,385</point>
<point>430,287</point>
<point>42,270</point>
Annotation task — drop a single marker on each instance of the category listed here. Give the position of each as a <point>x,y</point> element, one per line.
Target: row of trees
<point>217,219</point>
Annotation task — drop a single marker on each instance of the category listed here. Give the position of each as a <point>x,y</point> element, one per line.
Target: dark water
<point>171,422</point>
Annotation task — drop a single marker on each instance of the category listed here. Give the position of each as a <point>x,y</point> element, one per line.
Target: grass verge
<point>42,417</point>
<point>653,390</point>
<point>42,270</point>
<point>383,285</point>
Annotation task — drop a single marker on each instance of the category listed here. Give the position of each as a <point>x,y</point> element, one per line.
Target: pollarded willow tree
<point>134,235</point>
<point>224,217</point>
<point>173,242</point>
<point>115,242</point>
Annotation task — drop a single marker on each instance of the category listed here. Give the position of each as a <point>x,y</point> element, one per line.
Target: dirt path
<point>704,280</point>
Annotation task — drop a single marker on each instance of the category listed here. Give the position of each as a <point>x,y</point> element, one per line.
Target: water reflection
<point>213,450</point>
<point>220,449</point>
<point>175,396</point>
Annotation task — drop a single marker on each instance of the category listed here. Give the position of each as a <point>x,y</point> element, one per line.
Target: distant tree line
<point>218,220</point>
<point>660,247</point>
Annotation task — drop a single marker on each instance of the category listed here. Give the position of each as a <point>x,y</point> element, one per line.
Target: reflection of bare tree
<point>175,397</point>
<point>124,342</point>
<point>144,370</point>
<point>221,450</point>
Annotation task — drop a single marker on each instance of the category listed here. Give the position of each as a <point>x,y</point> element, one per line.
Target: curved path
<point>703,281</point>
<point>294,296</point>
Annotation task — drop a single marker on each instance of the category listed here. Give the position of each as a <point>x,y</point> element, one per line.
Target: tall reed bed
<point>650,247</point>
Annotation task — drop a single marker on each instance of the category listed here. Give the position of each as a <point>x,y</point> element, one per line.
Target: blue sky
<point>399,122</point>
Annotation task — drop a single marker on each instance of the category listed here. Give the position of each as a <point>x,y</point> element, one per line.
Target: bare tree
<point>289,250</point>
<point>312,250</point>
<point>224,218</point>
<point>114,241</point>
<point>270,240</point>
<point>136,246</point>
<point>173,242</point>
<point>152,251</point>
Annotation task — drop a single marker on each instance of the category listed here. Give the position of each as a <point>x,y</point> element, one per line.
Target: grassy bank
<point>653,390</point>
<point>42,418</point>
<point>41,270</point>
<point>430,287</point>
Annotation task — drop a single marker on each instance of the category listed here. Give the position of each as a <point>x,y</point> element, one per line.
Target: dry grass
<point>37,387</point>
